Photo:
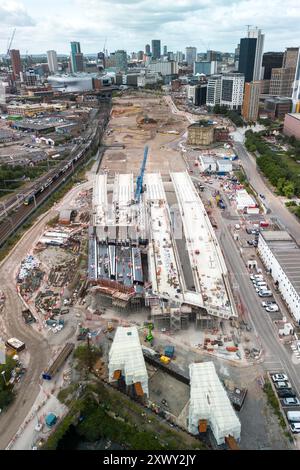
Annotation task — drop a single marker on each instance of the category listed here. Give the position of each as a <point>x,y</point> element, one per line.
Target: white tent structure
<point>209,401</point>
<point>126,358</point>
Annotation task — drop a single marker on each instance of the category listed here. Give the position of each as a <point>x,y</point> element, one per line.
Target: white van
<point>293,416</point>
<point>295,427</point>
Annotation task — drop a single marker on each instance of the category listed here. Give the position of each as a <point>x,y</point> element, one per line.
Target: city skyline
<point>186,23</point>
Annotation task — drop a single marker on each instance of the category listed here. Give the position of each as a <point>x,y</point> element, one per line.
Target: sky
<point>130,24</point>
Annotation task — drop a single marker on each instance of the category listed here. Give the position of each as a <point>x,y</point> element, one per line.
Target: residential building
<point>271,60</point>
<point>52,61</point>
<point>179,56</point>
<point>206,67</point>
<point>15,62</point>
<point>291,125</point>
<point>214,90</point>
<point>79,62</point>
<point>281,257</point>
<point>278,107</point>
<point>190,55</point>
<point>75,49</point>
<point>121,60</point>
<point>250,55</point>
<point>156,49</point>
<point>232,88</point>
<point>200,133</point>
<point>251,101</point>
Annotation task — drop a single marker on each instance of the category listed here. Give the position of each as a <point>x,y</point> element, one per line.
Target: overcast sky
<point>130,24</point>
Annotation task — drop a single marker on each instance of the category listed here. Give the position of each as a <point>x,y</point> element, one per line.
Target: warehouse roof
<point>287,253</point>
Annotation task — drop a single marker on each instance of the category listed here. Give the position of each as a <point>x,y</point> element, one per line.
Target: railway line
<point>47,185</point>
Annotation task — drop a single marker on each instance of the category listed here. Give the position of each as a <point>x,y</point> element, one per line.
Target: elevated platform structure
<point>209,402</point>
<point>126,360</point>
<point>206,259</point>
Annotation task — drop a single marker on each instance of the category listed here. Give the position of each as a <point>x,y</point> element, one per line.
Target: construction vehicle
<point>150,336</point>
<point>110,327</point>
<point>231,442</point>
<point>202,427</point>
<point>140,178</point>
<point>165,360</point>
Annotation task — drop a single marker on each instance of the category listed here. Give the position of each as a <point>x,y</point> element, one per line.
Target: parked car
<point>266,293</point>
<point>291,401</point>
<point>286,393</point>
<point>262,196</point>
<point>282,384</point>
<point>272,308</point>
<point>250,242</point>
<point>267,303</point>
<point>279,377</point>
<point>295,428</point>
<point>249,231</point>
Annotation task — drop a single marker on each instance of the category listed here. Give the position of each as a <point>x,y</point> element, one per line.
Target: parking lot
<point>288,399</point>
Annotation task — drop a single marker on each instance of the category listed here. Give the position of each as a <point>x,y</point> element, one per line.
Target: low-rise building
<point>208,164</point>
<point>291,125</point>
<point>245,202</point>
<point>277,107</point>
<point>281,256</point>
<point>200,133</point>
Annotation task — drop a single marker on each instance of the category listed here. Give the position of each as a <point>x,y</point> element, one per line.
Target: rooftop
<point>287,253</point>
<point>295,115</point>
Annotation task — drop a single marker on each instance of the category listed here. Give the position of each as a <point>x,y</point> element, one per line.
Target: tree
<point>280,184</point>
<point>289,189</point>
<point>87,355</point>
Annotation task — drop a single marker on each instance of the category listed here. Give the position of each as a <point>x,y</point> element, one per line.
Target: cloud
<point>14,14</point>
<point>130,24</point>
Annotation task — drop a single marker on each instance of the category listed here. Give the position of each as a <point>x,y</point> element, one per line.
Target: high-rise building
<point>296,87</point>
<point>290,57</point>
<point>251,101</point>
<point>213,90</point>
<point>156,49</point>
<point>271,60</point>
<point>101,58</point>
<point>147,49</point>
<point>75,49</point>
<point>232,90</point>
<point>179,56</point>
<point>52,61</point>
<point>16,62</point>
<point>250,57</point>
<point>79,62</point>
<point>236,56</point>
<point>121,59</point>
<point>140,55</point>
<point>282,82</point>
<point>165,50</point>
<point>190,55</point>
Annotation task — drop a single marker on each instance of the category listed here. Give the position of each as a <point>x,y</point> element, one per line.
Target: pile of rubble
<point>60,275</point>
<point>30,276</point>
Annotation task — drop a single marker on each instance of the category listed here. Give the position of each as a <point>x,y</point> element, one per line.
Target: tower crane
<point>140,178</point>
<point>10,43</point>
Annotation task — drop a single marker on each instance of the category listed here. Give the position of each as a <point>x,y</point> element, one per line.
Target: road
<point>256,180</point>
<point>37,346</point>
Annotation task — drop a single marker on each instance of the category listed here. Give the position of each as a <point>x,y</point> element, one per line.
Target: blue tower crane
<point>140,178</point>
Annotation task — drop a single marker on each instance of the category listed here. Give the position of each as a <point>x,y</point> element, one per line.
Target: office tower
<point>251,101</point>
<point>52,61</point>
<point>15,62</point>
<point>236,56</point>
<point>190,55</point>
<point>213,90</point>
<point>290,57</point>
<point>101,58</point>
<point>140,55</point>
<point>283,79</point>
<point>271,60</point>
<point>147,49</point>
<point>75,49</point>
<point>206,67</point>
<point>156,49</point>
<point>79,62</point>
<point>250,57</point>
<point>121,60</point>
<point>232,90</point>
<point>165,50</point>
<point>212,55</point>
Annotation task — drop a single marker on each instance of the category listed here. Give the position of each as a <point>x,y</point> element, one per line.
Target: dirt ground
<point>126,128</point>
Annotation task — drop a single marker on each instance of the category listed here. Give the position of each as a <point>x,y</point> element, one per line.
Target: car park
<point>291,401</point>
<point>282,384</point>
<point>272,308</point>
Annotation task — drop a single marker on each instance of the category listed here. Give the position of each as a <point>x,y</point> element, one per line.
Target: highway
<point>256,180</point>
